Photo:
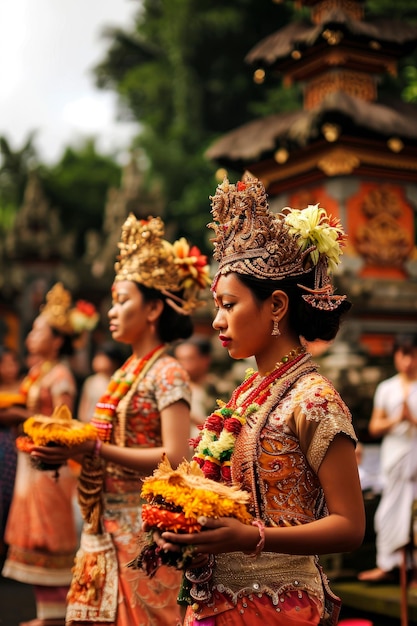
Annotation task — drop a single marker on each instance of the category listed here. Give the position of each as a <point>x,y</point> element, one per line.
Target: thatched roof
<point>302,34</point>
<point>252,140</point>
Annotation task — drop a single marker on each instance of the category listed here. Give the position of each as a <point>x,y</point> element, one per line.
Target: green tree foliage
<point>15,165</point>
<point>393,9</point>
<point>181,74</point>
<point>405,83</point>
<point>78,184</point>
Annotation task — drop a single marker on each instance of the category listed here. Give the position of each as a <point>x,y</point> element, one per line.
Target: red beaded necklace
<point>34,375</point>
<point>119,385</point>
<point>215,445</point>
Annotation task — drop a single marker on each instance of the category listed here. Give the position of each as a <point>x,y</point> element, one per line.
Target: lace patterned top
<point>276,458</point>
<point>289,445</point>
<point>138,419</point>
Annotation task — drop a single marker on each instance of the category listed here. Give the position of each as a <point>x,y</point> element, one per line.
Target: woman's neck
<point>142,348</point>
<point>279,355</point>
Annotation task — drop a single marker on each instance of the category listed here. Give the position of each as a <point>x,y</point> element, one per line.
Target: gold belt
<point>239,574</point>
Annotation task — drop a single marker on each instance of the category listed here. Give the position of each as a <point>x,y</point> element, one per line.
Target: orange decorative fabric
<point>41,549</point>
<point>293,609</point>
<point>293,441</point>
<point>41,530</point>
<point>140,601</point>
<point>276,459</point>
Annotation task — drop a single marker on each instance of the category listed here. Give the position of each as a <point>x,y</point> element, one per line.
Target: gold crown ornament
<point>149,259</point>
<point>251,240</point>
<point>63,317</point>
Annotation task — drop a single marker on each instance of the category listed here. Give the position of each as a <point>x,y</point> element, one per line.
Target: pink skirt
<point>296,609</point>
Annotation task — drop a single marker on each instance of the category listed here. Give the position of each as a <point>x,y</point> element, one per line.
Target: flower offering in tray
<point>59,429</point>
<point>8,399</point>
<point>175,500</point>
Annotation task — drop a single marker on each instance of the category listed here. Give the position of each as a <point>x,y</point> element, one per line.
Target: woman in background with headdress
<point>285,436</point>
<point>144,415</point>
<point>41,530</point>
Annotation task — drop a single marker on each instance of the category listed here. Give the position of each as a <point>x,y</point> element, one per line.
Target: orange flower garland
<point>34,374</point>
<point>118,387</point>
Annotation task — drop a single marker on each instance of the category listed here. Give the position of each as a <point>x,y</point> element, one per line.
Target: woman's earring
<point>275,329</point>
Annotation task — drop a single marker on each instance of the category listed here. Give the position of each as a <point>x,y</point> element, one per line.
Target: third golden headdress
<point>65,318</point>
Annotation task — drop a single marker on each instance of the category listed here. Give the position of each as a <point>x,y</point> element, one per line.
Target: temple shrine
<point>347,149</point>
<point>38,251</point>
<point>355,153</point>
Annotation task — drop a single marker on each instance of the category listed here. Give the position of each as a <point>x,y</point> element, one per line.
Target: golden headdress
<point>63,317</point>
<point>149,259</point>
<point>252,240</point>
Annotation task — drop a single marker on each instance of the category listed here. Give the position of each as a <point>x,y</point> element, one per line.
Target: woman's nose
<point>217,322</point>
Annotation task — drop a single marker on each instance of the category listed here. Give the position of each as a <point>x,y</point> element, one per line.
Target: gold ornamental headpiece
<point>65,318</point>
<point>251,240</point>
<point>149,259</point>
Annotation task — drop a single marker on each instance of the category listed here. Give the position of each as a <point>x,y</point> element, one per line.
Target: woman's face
<point>41,339</point>
<point>9,368</point>
<point>129,313</point>
<point>243,323</point>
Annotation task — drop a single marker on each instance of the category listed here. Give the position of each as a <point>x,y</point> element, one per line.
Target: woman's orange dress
<point>276,458</point>
<point>41,529</point>
<point>128,597</point>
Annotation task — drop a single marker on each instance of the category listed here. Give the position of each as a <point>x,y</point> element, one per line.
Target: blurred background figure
<point>195,355</point>
<point>10,379</point>
<point>368,459</point>
<point>394,418</point>
<point>41,529</point>
<point>10,371</point>
<point>108,357</point>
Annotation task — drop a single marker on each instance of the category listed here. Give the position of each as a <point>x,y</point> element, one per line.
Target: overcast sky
<point>47,50</point>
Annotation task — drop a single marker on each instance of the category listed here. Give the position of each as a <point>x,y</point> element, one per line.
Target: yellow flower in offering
<point>8,399</point>
<point>58,429</point>
<point>188,490</point>
<point>176,499</point>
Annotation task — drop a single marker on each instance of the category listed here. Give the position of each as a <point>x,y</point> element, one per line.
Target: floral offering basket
<point>175,501</point>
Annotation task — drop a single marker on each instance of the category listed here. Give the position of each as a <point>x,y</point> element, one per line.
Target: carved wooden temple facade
<point>37,252</point>
<point>347,149</point>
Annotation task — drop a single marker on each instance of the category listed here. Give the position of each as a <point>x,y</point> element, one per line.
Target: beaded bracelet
<point>97,447</point>
<point>261,543</point>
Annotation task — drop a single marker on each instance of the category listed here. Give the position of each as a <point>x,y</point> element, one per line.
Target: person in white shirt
<point>394,418</point>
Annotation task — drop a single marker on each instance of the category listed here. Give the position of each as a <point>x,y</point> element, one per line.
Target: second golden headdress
<point>149,259</point>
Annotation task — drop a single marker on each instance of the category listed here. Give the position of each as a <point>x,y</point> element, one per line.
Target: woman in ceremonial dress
<point>144,415</point>
<point>285,436</point>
